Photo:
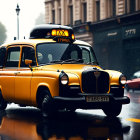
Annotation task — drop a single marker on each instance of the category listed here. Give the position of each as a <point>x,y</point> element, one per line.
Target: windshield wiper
<point>56,61</point>
<point>67,61</point>
<point>72,60</point>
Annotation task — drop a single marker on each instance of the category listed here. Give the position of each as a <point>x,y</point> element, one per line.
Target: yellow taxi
<point>54,71</point>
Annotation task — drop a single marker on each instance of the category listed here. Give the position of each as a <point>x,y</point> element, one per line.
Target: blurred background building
<point>112,27</point>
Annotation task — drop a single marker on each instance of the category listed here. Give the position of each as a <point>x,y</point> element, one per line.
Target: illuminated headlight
<point>122,80</point>
<point>64,79</point>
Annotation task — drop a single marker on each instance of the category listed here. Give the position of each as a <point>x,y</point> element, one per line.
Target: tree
<point>40,19</point>
<point>2,33</point>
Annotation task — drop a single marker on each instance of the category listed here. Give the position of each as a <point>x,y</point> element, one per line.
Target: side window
<point>13,55</point>
<point>28,53</point>
<point>2,56</point>
<point>74,55</point>
<point>86,55</point>
<point>75,52</point>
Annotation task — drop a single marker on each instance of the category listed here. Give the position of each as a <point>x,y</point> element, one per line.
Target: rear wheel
<point>112,110</point>
<point>3,103</point>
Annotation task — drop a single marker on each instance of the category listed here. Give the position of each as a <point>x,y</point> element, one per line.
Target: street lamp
<point>17,11</point>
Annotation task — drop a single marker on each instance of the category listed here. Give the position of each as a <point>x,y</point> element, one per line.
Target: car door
<point>7,75</point>
<point>24,75</point>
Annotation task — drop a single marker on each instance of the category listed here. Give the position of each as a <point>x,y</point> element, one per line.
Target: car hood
<point>67,67</point>
<point>77,69</point>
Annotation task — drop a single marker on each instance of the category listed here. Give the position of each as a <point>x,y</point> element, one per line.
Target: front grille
<point>95,84</point>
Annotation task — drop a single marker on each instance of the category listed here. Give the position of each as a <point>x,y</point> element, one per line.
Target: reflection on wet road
<point>27,124</point>
<point>134,95</point>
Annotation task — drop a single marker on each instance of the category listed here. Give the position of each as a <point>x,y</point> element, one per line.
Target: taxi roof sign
<point>60,32</point>
<point>52,31</point>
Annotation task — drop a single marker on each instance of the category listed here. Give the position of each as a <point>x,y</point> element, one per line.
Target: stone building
<point>111,26</point>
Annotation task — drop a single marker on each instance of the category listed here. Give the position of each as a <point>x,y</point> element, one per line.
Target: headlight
<point>64,79</point>
<point>122,80</point>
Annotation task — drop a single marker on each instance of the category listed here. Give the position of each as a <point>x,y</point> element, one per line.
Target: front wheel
<point>3,103</point>
<point>112,110</point>
<point>48,106</point>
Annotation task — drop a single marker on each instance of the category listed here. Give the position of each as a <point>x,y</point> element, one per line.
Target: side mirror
<point>28,62</point>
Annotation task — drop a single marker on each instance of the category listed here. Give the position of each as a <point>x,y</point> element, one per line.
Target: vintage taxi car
<point>54,71</point>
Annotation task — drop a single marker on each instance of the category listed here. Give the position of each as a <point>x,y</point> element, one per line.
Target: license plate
<point>97,98</point>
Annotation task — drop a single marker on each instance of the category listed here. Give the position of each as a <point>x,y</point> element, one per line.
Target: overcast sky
<point>29,11</point>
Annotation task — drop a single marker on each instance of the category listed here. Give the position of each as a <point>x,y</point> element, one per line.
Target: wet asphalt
<point>27,123</point>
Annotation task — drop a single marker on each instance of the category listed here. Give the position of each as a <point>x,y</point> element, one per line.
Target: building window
<point>97,10</point>
<point>114,7</point>
<point>132,4</point>
<point>126,6</point>
<point>53,16</point>
<point>59,16</point>
<point>71,15</point>
<point>84,12</point>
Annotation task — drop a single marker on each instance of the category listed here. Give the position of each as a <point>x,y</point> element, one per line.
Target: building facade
<point>111,26</point>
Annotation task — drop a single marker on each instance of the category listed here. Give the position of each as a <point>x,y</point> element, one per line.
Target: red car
<point>134,83</point>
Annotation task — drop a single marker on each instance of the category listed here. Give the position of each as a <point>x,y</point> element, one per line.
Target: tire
<point>47,105</point>
<point>3,103</point>
<point>112,110</point>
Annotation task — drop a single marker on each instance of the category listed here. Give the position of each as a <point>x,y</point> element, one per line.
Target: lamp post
<point>17,11</point>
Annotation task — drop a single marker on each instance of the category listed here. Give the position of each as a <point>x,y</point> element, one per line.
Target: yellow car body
<point>22,80</point>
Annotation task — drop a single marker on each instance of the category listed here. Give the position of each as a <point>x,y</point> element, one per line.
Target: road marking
<point>133,120</point>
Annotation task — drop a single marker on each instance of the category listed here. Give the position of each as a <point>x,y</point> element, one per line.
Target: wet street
<point>18,123</point>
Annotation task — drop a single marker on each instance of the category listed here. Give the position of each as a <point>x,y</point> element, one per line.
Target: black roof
<point>51,26</point>
<point>40,31</point>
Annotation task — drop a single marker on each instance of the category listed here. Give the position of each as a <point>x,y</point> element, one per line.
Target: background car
<point>134,82</point>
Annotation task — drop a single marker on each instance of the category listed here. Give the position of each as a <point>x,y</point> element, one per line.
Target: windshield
<point>64,53</point>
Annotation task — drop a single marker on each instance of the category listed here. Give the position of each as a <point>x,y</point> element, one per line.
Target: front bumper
<point>82,103</point>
